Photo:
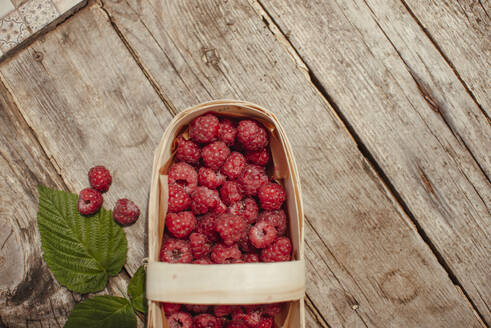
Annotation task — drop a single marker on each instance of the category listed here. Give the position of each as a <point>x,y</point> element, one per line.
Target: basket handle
<point>245,283</point>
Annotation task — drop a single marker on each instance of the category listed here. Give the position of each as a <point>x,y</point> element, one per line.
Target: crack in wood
<point>315,311</point>
<point>6,239</point>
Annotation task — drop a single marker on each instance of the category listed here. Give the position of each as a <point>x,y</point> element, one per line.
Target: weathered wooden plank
<point>366,255</point>
<point>413,116</point>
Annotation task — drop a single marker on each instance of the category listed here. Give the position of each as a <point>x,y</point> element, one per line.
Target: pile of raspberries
<point>223,208</point>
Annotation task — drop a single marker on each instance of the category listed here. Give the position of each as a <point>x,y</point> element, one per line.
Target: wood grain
<point>379,271</point>
<point>413,116</point>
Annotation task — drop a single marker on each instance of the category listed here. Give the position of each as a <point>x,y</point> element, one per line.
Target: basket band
<point>248,283</point>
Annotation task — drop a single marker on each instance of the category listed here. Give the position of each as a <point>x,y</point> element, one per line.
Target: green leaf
<point>136,290</point>
<point>102,312</point>
<point>82,252</point>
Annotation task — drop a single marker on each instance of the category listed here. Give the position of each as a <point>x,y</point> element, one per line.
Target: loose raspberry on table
<point>271,196</point>
<point>225,254</point>
<point>251,258</point>
<point>215,154</point>
<point>231,192</point>
<point>197,308</point>
<point>183,174</point>
<point>180,320</point>
<point>187,151</point>
<point>100,179</point>
<point>252,178</point>
<point>258,157</point>
<point>276,218</point>
<point>179,200</point>
<point>245,244</point>
<point>180,224</point>
<point>207,226</point>
<point>265,322</point>
<point>252,135</point>
<point>272,309</point>
<point>170,308</point>
<point>125,212</point>
<point>223,310</point>
<point>209,178</point>
<point>262,234</point>
<point>279,251</point>
<point>204,129</point>
<point>233,165</point>
<point>89,201</point>
<point>203,200</point>
<point>200,246</point>
<point>230,227</point>
<point>227,131</point>
<point>176,251</point>
<point>206,321</point>
<point>203,260</point>
<point>246,209</point>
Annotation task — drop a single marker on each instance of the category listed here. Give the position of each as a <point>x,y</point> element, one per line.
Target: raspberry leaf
<point>102,312</point>
<point>136,290</point>
<point>81,251</point>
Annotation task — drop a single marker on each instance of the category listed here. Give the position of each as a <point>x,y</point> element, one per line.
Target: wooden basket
<point>250,283</point>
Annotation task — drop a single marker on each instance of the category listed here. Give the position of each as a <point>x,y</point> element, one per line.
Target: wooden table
<point>386,104</point>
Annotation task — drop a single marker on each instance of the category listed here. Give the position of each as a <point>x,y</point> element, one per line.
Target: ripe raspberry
<point>227,131</point>
<point>233,165</point>
<point>203,200</point>
<point>206,321</point>
<point>180,224</point>
<point>89,201</point>
<point>209,178</point>
<point>187,151</point>
<point>215,154</point>
<point>180,320</point>
<point>272,309</point>
<point>170,308</point>
<point>125,212</point>
<point>252,178</point>
<point>231,192</point>
<point>262,234</point>
<point>100,179</point>
<point>244,242</point>
<point>230,227</point>
<point>225,254</point>
<point>179,200</point>
<point>207,226</point>
<point>220,208</point>
<point>176,251</point>
<point>276,218</point>
<point>236,324</point>
<point>265,322</point>
<point>203,260</point>
<point>197,308</point>
<point>246,209</point>
<point>199,245</point>
<point>271,196</point>
<point>252,135</point>
<point>251,258</point>
<point>279,251</point>
<point>252,318</point>
<point>258,157</point>
<point>184,175</point>
<point>204,129</point>
<point>223,310</point>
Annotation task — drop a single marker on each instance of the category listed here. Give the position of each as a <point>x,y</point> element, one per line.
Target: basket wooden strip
<point>205,283</point>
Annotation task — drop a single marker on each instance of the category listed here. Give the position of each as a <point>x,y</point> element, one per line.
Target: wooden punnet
<point>227,283</point>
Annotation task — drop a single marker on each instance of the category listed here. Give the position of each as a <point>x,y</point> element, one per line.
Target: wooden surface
<point>386,109</point>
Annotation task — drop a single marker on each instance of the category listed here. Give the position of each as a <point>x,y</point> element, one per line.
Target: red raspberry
<point>203,200</point>
<point>265,322</point>
<point>223,310</point>
<point>272,309</point>
<point>244,242</point>
<point>252,178</point>
<point>262,234</point>
<point>276,218</point>
<point>203,260</point>
<point>204,129</point>
<point>179,200</point>
<point>170,308</point>
<point>252,318</point>
<point>220,208</point>
<point>209,178</point>
<point>184,175</point>
<point>125,212</point>
<point>225,254</point>
<point>279,251</point>
<point>89,201</point>
<point>271,196</point>
<point>246,209</point>
<point>258,157</point>
<point>227,131</point>
<point>251,258</point>
<point>236,324</point>
<point>180,224</point>
<point>187,151</point>
<point>215,154</point>
<point>252,135</point>
<point>230,227</point>
<point>176,251</point>
<point>199,245</point>
<point>206,321</point>
<point>233,166</point>
<point>180,320</point>
<point>100,179</point>
<point>207,226</point>
<point>197,308</point>
<point>231,192</point>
